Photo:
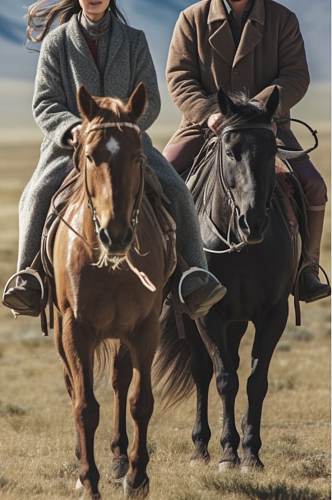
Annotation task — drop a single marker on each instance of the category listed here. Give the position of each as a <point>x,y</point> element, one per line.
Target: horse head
<point>111,159</point>
<point>247,168</point>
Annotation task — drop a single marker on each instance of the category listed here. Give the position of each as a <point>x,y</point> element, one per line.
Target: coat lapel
<point>252,33</point>
<point>117,37</point>
<point>81,59</point>
<point>221,38</point>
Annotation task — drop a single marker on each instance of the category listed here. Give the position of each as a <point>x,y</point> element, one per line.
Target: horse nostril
<point>105,237</point>
<point>127,236</point>
<point>244,224</point>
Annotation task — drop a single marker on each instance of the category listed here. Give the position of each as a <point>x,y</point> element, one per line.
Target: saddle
<point>154,207</point>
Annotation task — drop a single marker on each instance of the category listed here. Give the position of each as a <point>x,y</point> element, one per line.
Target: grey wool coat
<point>66,63</point>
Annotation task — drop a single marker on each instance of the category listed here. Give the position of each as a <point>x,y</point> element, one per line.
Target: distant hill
<point>157,19</point>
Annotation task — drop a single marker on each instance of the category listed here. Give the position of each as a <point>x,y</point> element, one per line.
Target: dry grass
<point>37,430</point>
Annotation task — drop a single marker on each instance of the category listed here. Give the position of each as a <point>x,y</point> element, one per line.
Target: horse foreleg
<point>214,336</point>
<point>143,343</point>
<point>66,371</point>
<point>202,371</point>
<point>268,332</point>
<point>78,349</point>
<point>70,391</point>
<point>121,378</point>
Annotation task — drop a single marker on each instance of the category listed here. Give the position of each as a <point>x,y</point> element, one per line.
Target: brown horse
<point>99,297</point>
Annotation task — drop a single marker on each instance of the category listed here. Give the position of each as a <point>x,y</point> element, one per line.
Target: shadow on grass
<point>243,485</point>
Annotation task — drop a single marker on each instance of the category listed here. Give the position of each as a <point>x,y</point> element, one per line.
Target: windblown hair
<point>41,15</point>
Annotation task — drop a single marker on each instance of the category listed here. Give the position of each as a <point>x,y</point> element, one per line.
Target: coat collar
<point>221,38</point>
<point>84,56</point>
<point>217,12</point>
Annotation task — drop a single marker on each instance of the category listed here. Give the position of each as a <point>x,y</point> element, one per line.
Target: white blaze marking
<point>113,146</point>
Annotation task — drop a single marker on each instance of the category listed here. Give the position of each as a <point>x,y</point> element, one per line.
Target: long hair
<point>41,15</point>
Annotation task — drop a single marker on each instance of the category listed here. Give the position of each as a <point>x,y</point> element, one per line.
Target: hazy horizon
<point>17,123</point>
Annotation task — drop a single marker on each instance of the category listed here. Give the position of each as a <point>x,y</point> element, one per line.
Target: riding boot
<point>311,289</point>
<point>25,298</point>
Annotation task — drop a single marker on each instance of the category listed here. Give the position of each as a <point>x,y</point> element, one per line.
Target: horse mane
<point>248,110</point>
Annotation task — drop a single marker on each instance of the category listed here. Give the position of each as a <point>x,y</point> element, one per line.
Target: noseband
<point>139,196</point>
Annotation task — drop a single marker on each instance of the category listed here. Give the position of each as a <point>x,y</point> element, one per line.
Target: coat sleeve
<point>293,78</point>
<point>49,104</point>
<point>145,72</point>
<point>183,78</point>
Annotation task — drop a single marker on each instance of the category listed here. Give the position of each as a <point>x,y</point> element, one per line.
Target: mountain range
<point>157,19</point>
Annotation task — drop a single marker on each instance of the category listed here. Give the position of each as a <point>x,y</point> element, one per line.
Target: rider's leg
<point>205,291</point>
<point>33,208</point>
<point>181,154</point>
<point>316,194</point>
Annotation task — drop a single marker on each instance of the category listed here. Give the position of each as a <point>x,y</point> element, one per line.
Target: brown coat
<point>203,58</point>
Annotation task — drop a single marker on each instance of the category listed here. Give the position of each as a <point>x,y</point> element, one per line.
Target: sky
<point>157,19</point>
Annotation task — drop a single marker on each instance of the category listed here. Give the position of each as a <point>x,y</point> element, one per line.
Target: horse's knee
<point>257,385</point>
<point>141,410</point>
<point>87,414</point>
<point>227,384</point>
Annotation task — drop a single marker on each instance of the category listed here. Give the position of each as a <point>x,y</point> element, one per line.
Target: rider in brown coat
<point>251,46</point>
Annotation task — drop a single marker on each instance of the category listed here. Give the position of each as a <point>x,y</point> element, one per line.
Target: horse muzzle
<point>253,232</point>
<point>119,245</point>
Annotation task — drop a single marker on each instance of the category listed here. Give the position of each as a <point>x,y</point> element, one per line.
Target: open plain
<point>37,428</point>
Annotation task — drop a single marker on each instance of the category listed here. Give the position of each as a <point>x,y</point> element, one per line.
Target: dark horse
<point>240,218</point>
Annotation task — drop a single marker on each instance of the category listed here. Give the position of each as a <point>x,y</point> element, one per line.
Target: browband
<point>118,125</point>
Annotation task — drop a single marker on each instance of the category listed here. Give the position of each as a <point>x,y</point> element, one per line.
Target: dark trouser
<point>181,155</point>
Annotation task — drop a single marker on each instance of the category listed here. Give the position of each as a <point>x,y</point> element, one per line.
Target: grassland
<point>36,425</point>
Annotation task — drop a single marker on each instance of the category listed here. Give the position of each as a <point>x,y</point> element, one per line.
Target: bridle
<point>232,246</point>
<point>146,282</point>
<point>95,219</point>
<point>139,196</point>
<point>284,154</point>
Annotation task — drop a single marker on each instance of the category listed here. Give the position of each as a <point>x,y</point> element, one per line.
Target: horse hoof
<point>119,469</point>
<point>227,465</point>
<point>141,491</point>
<point>200,459</point>
<point>251,464</point>
<point>78,485</point>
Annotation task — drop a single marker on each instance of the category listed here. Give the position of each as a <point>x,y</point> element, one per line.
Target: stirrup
<point>187,273</point>
<point>30,272</point>
<point>328,284</point>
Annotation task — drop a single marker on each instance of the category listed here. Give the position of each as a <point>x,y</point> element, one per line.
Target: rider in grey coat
<point>67,62</point>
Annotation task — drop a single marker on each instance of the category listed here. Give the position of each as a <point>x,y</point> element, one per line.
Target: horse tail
<point>172,365</point>
<point>104,355</point>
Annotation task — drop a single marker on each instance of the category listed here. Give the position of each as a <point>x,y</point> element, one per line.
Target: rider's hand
<point>74,135</point>
<point>214,122</point>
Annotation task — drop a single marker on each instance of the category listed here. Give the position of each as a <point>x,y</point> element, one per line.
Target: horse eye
<point>229,154</point>
<point>89,158</point>
<point>141,159</point>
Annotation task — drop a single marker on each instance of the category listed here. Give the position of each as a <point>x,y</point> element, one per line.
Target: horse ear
<point>272,102</point>
<point>227,106</point>
<point>137,102</point>
<point>86,104</point>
